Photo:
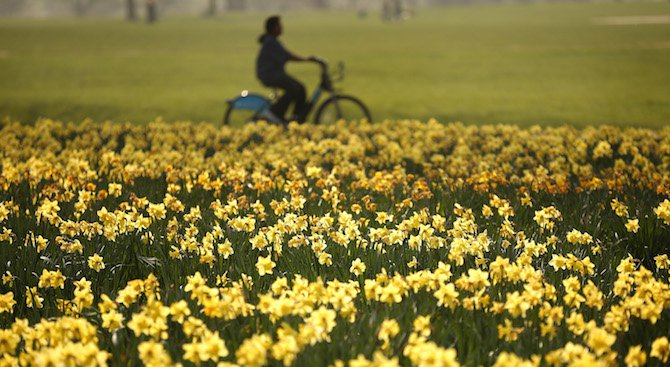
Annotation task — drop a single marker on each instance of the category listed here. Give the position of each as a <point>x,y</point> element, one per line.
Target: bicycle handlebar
<point>326,78</point>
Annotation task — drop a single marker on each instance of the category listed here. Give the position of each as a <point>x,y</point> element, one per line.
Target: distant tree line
<point>150,9</point>
<point>132,9</point>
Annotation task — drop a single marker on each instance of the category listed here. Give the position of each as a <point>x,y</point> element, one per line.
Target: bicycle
<point>248,107</point>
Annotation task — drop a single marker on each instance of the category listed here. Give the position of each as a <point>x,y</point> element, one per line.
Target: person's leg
<point>299,96</point>
<point>280,106</point>
<point>294,92</point>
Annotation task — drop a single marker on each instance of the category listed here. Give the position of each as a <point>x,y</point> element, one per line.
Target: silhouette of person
<point>270,70</point>
<point>151,11</point>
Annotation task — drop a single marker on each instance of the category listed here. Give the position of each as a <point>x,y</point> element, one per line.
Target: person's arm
<point>294,57</point>
<point>318,60</point>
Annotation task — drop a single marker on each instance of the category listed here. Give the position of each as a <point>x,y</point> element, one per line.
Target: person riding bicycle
<point>270,71</point>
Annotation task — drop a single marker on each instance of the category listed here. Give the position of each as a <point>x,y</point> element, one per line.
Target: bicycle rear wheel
<point>238,117</point>
<point>245,108</point>
<point>341,107</point>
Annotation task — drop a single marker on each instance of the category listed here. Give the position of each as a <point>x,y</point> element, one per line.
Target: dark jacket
<point>271,59</point>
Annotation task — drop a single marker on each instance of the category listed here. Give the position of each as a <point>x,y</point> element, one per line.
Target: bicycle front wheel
<point>342,107</point>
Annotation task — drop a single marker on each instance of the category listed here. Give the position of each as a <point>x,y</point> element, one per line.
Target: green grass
<point>525,64</point>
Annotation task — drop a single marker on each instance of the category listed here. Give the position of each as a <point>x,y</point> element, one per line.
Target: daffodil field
<point>399,243</point>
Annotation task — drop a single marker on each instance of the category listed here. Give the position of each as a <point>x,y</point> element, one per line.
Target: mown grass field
<point>522,64</point>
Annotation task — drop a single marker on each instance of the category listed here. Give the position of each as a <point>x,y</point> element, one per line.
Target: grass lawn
<point>527,64</point>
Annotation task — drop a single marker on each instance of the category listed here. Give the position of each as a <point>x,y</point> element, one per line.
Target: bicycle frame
<point>324,85</point>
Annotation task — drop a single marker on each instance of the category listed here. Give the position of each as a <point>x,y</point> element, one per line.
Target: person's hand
<point>317,60</point>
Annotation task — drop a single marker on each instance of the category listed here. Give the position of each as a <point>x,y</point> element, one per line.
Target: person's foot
<point>269,116</point>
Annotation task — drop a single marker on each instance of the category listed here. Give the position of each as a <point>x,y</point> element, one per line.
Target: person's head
<point>273,26</point>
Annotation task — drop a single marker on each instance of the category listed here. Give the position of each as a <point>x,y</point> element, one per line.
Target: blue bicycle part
<point>250,101</point>
<point>245,108</point>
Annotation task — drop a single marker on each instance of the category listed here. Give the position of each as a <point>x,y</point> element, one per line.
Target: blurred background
<point>520,62</point>
<point>131,8</point>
